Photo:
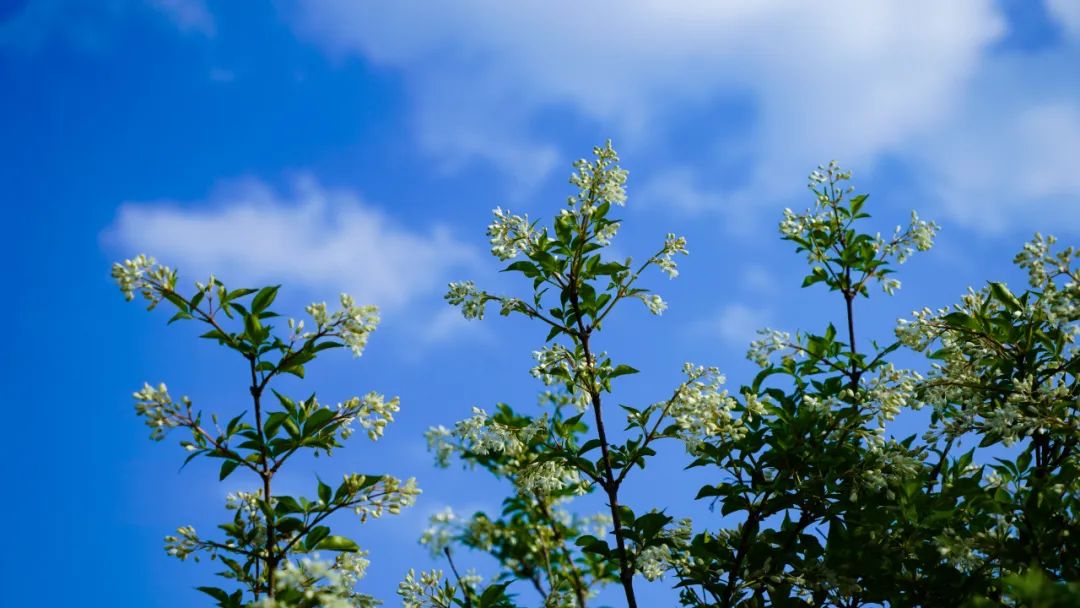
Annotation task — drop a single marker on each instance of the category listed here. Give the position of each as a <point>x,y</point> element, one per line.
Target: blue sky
<point>358,146</point>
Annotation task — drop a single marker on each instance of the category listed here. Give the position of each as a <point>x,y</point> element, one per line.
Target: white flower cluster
<point>1053,275</point>
<point>550,476</point>
<point>885,464</point>
<point>702,409</point>
<point>249,505</point>
<point>440,533</point>
<point>918,235</point>
<point>1040,264</point>
<point>819,230</point>
<point>245,502</point>
<point>160,411</point>
<point>510,234</point>
<point>825,183</point>
<point>666,259</point>
<point>555,364</point>
<point>959,550</point>
<point>827,174</point>
<point>605,235</point>
<point>145,275</point>
<point>891,390</point>
<point>1029,407</point>
<point>482,435</point>
<point>599,181</point>
<point>920,331</point>
<point>389,495</point>
<point>353,324</point>
<point>372,411</point>
<point>427,590</point>
<point>653,561</point>
<point>322,583</point>
<point>184,543</point>
<point>439,441</point>
<point>469,298</point>
<point>771,341</point>
<point>654,303</point>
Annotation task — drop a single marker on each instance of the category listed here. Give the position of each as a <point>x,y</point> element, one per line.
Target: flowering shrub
<point>817,503</point>
<point>272,544</point>
<point>567,451</point>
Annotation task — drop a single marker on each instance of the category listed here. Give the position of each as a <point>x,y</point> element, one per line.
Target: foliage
<point>816,502</point>
<point>271,544</point>
<point>551,457</point>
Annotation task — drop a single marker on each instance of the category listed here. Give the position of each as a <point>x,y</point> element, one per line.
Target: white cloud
<point>991,129</point>
<point>1009,161</point>
<point>1067,13</point>
<point>758,280</point>
<point>844,79</point>
<point>736,324</point>
<point>449,323</point>
<point>678,188</point>
<point>313,237</point>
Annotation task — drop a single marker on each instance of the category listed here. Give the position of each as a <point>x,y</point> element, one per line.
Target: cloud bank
<point>312,237</point>
<point>924,81</point>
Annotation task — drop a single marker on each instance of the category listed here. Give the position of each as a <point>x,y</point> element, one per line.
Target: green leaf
<point>264,298</point>
<point>494,595</point>
<point>218,594</point>
<point>1023,461</point>
<point>227,468</point>
<point>338,543</point>
<point>591,544</point>
<point>1002,294</point>
<point>856,203</point>
<point>525,267</point>
<point>315,536</point>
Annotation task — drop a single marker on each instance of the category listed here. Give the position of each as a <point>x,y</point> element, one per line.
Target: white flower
<point>665,260</point>
<point>607,233</point>
<point>600,181</point>
<point>183,544</point>
<point>653,561</point>
<point>145,275</point>
<point>353,324</point>
<point>702,409</point>
<point>510,234</point>
<point>469,298</point>
<point>654,303</point>
<point>372,411</point>
<point>158,408</point>
<point>770,342</point>
<point>426,590</point>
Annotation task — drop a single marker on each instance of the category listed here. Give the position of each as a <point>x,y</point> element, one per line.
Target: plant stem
<point>849,300</point>
<point>611,487</point>
<point>266,474</point>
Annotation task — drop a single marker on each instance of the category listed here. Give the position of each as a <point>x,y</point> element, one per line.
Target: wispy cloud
<point>735,324</point>
<point>312,237</point>
<point>919,80</point>
<point>1067,14</point>
<point>845,79</point>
